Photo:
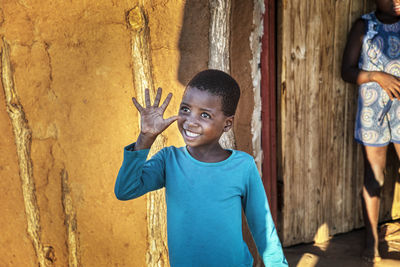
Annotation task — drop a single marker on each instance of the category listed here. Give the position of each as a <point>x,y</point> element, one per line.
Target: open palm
<point>151,116</point>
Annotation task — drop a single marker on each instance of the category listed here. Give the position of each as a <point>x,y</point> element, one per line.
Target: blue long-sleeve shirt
<point>204,203</point>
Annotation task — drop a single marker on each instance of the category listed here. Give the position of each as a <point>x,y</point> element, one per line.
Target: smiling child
<point>206,185</point>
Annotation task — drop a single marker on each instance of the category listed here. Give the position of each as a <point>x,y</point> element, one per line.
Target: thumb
<point>170,120</point>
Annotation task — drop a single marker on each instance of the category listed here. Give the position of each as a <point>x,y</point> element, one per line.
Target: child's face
<point>389,7</point>
<point>201,119</point>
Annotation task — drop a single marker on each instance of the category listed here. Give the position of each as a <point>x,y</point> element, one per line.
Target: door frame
<point>268,106</point>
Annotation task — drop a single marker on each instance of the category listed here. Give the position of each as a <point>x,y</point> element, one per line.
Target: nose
<point>190,122</point>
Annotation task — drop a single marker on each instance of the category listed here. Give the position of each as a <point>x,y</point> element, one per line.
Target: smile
<point>191,134</point>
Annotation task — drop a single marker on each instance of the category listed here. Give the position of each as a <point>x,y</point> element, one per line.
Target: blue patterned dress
<point>380,52</point>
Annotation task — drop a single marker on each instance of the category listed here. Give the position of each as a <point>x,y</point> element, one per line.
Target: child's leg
<point>374,166</point>
<point>397,147</point>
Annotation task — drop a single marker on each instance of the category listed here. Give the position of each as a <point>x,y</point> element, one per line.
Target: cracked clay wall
<point>67,78</point>
<point>65,115</point>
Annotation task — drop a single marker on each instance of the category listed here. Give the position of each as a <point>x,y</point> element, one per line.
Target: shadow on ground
<point>345,250</point>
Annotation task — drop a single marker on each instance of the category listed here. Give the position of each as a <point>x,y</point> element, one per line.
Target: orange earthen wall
<point>71,66</point>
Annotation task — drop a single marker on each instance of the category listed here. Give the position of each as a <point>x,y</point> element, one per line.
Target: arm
<point>136,176</point>
<point>255,205</point>
<point>350,70</point>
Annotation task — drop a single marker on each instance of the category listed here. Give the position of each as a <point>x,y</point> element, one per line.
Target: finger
<point>147,97</point>
<point>170,120</point>
<point>158,97</point>
<point>390,94</point>
<point>395,93</point>
<point>166,101</point>
<point>397,89</point>
<point>137,105</point>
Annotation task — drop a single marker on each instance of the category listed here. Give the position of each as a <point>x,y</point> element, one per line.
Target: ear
<point>229,123</point>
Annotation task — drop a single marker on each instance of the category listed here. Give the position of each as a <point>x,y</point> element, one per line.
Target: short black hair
<point>220,84</point>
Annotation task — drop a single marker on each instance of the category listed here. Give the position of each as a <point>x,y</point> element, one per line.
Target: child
<point>206,185</point>
<point>372,60</point>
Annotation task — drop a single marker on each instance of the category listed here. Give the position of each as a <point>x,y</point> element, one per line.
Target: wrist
<point>374,76</point>
<point>145,141</point>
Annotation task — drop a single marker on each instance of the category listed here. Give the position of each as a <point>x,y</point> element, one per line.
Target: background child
<point>372,60</point>
<point>206,185</point>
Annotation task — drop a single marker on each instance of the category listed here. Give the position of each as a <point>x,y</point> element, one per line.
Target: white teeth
<point>191,134</point>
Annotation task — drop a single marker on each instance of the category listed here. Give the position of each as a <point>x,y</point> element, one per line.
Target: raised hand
<point>151,119</point>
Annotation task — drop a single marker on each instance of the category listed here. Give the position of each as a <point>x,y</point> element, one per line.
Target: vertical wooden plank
<point>354,163</point>
<point>157,250</point>
<point>342,25</point>
<point>268,113</point>
<point>283,166</point>
<point>356,9</point>
<point>326,185</point>
<point>312,124</point>
<point>293,135</point>
<point>219,37</point>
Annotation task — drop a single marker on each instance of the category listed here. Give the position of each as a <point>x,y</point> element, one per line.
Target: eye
<point>205,115</point>
<point>184,109</point>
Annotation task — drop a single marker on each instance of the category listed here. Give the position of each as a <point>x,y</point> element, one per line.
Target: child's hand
<point>151,118</point>
<point>389,83</point>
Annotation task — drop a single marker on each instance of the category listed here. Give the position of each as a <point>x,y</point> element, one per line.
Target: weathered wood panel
<point>320,165</point>
<point>219,37</point>
<point>157,250</point>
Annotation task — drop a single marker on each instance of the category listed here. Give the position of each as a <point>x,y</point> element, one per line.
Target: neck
<point>386,18</point>
<point>209,154</point>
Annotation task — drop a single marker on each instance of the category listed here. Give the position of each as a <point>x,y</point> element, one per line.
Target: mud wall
<point>67,79</point>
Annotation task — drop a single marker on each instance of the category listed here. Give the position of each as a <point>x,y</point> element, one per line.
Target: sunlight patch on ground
<point>322,234</point>
<point>308,259</point>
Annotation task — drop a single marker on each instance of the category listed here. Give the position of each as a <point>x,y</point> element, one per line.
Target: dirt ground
<point>345,250</point>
